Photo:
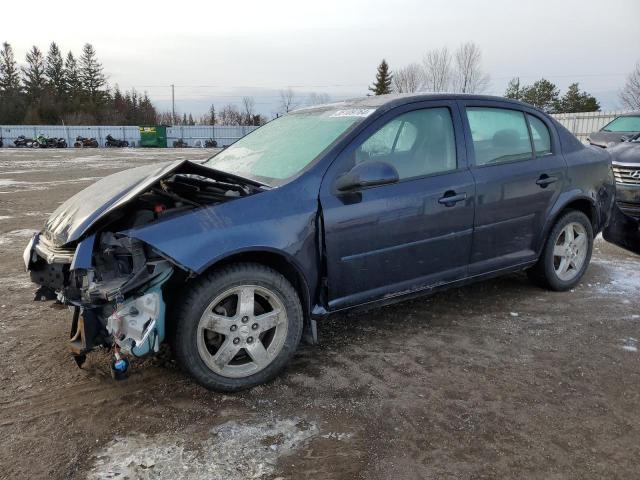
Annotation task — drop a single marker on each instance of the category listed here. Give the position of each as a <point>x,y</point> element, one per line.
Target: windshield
<point>623,124</point>
<point>283,147</point>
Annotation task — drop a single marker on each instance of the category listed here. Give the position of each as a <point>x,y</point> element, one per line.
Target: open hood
<point>75,216</point>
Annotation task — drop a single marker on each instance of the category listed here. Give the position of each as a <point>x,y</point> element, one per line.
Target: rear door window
<point>540,135</point>
<point>499,135</point>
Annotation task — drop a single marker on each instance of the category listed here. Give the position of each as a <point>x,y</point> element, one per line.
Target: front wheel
<point>237,327</point>
<point>566,254</point>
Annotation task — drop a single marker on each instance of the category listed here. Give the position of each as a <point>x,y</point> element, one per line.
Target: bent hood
<point>603,139</point>
<point>75,216</point>
<point>626,152</point>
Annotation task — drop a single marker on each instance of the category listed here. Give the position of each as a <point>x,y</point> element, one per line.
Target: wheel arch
<point>278,260</point>
<point>581,203</point>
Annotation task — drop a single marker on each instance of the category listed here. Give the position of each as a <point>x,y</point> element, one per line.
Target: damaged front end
<point>116,284</point>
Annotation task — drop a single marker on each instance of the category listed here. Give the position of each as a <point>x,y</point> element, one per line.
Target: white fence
<point>194,136</point>
<point>582,124</point>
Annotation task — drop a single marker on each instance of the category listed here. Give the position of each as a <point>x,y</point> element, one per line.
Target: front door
<point>396,238</point>
<point>519,173</point>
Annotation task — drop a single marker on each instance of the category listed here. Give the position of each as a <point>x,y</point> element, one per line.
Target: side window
<point>416,143</point>
<point>499,135</point>
<point>540,135</point>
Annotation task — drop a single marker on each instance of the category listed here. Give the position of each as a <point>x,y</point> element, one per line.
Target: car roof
<point>396,99</point>
<point>635,113</point>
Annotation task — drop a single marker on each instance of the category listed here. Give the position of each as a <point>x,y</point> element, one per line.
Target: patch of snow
<point>623,276</point>
<point>233,451</point>
<point>16,235</point>
<point>5,217</point>
<point>513,314</point>
<point>629,344</point>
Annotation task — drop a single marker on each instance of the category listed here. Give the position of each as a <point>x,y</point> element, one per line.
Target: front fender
<point>268,221</point>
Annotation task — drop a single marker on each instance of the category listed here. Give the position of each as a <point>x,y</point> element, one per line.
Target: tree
<point>384,78</point>
<point>514,89</point>
<point>11,101</point>
<point>437,70</point>
<point>92,77</point>
<point>212,115</point>
<point>542,94</point>
<point>54,71</point>
<point>33,75</point>
<point>315,98</point>
<point>630,94</point>
<point>230,115</point>
<point>468,76</point>
<point>248,106</point>
<point>574,101</point>
<point>73,85</point>
<point>408,79</point>
<point>288,100</point>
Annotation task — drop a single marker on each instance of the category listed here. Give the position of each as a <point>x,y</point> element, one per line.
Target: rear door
<point>391,239</point>
<point>519,173</point>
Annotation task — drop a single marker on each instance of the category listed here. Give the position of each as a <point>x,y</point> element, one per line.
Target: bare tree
<point>468,76</point>
<point>630,94</point>
<point>288,100</point>
<point>315,98</point>
<point>437,70</point>
<point>409,79</point>
<point>229,115</point>
<point>248,109</point>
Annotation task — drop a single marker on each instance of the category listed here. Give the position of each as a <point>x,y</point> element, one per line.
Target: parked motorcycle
<point>211,143</point>
<point>22,142</point>
<point>43,142</point>
<point>114,142</point>
<point>84,142</point>
<point>180,144</point>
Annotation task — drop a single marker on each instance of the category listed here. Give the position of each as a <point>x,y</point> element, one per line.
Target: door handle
<point>546,180</point>
<point>450,198</point>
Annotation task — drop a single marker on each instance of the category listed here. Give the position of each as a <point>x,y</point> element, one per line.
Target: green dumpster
<point>153,136</point>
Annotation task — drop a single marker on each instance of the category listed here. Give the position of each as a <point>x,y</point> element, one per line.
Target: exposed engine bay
<point>116,283</point>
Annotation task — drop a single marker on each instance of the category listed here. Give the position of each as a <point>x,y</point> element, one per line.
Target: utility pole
<point>173,104</point>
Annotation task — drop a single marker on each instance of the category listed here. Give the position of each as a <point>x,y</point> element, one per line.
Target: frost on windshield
<point>285,146</point>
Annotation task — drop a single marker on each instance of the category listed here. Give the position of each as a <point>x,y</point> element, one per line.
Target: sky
<point>217,52</point>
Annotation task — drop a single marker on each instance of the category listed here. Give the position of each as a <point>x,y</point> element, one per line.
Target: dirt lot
<point>496,380</point>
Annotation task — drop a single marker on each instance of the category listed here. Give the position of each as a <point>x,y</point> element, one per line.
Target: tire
<point>208,355</point>
<point>550,272</point>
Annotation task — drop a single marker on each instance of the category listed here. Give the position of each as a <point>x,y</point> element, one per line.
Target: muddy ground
<point>496,380</point>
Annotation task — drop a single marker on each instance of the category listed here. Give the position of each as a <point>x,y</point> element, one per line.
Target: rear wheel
<point>238,327</point>
<point>566,253</point>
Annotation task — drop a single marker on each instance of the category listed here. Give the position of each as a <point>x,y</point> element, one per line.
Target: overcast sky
<point>218,51</point>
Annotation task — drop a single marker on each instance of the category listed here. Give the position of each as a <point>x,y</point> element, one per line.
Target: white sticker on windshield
<point>354,112</point>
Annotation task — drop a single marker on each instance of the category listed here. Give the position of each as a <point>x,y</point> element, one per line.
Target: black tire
<point>198,296</point>
<point>543,273</point>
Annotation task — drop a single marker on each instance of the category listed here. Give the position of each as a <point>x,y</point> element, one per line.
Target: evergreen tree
<point>384,77</point>
<point>184,119</point>
<point>514,89</point>
<point>73,85</point>
<point>33,75</point>
<point>11,101</point>
<point>574,101</point>
<point>542,94</point>
<point>191,122</point>
<point>54,71</point>
<point>212,115</point>
<point>91,75</point>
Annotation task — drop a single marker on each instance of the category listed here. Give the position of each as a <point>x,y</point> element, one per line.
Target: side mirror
<point>367,174</point>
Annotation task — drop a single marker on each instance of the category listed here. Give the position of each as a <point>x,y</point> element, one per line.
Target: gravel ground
<point>495,380</point>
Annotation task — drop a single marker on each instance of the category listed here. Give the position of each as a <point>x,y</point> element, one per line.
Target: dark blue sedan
<point>357,203</point>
